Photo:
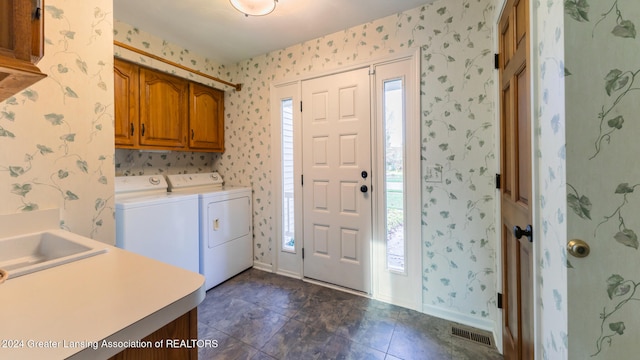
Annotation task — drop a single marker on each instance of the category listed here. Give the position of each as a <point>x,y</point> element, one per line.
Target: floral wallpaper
<point>602,103</point>
<point>550,170</point>
<point>585,90</point>
<point>133,162</point>
<point>458,232</point>
<point>56,137</point>
<point>458,229</point>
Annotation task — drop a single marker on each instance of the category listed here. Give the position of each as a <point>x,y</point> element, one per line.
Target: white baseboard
<point>497,332</point>
<point>464,319</point>
<point>336,287</point>
<point>290,274</point>
<point>262,266</point>
<point>403,304</point>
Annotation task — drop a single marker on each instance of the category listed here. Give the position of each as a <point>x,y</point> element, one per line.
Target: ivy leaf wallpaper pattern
<point>625,29</point>
<point>618,85</point>
<point>55,147</point>
<point>577,9</point>
<point>613,203</point>
<point>580,204</point>
<point>549,74</point>
<point>621,291</point>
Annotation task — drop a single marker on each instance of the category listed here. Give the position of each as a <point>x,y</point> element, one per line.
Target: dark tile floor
<point>259,315</point>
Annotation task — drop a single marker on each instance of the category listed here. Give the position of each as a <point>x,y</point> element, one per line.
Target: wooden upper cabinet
<point>163,109</point>
<point>156,110</point>
<point>21,45</point>
<point>206,118</point>
<point>125,76</point>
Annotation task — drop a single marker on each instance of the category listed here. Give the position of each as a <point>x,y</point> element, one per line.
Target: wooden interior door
<point>336,165</point>
<point>515,159</point>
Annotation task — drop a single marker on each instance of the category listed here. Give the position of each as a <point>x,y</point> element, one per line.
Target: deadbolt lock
<point>578,248</point>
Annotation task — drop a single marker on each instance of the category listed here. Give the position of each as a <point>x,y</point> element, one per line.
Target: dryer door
<point>228,220</point>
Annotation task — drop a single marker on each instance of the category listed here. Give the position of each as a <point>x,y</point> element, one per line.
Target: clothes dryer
<point>226,225</point>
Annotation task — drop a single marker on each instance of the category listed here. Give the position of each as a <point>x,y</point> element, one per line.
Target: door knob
<point>578,248</point>
<point>519,233</point>
<point>364,188</point>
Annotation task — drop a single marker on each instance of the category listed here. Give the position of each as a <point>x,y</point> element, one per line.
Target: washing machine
<point>155,223</point>
<point>226,235</point>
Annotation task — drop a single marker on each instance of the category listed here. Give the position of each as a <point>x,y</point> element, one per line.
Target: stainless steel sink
<point>25,254</point>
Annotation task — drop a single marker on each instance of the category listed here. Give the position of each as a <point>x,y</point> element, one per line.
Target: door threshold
<point>337,287</point>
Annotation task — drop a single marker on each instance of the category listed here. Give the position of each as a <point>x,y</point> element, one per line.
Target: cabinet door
<point>184,328</point>
<point>37,31</point>
<point>22,30</point>
<point>206,118</point>
<point>163,110</point>
<point>6,26</point>
<point>21,45</point>
<point>125,76</point>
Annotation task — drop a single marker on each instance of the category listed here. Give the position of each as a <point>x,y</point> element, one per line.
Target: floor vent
<point>471,336</point>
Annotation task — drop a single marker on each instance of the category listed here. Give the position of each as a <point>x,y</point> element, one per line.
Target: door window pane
<point>393,105</point>
<point>288,220</point>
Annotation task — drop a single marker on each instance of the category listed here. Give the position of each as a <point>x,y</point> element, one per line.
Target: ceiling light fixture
<point>254,7</point>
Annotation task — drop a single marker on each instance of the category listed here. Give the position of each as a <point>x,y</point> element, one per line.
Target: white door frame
<point>285,262</point>
<point>290,263</point>
<point>399,288</point>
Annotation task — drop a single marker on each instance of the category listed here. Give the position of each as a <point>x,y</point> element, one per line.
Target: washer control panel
<point>140,183</point>
<point>184,181</point>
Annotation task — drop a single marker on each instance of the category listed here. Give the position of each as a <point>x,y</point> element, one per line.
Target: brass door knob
<point>578,248</point>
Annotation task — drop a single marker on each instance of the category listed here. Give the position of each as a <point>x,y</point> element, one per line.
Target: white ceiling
<point>214,29</point>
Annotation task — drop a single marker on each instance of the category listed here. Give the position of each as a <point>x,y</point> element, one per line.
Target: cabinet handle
<point>192,134</point>
<point>142,129</point>
<point>37,12</point>
<point>132,128</point>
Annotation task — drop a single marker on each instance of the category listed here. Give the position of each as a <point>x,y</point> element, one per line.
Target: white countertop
<point>114,296</point>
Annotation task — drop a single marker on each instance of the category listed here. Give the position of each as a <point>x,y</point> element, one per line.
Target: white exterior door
<point>336,137</point>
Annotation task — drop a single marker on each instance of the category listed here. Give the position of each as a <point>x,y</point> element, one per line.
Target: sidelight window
<point>393,108</point>
<point>288,219</point>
